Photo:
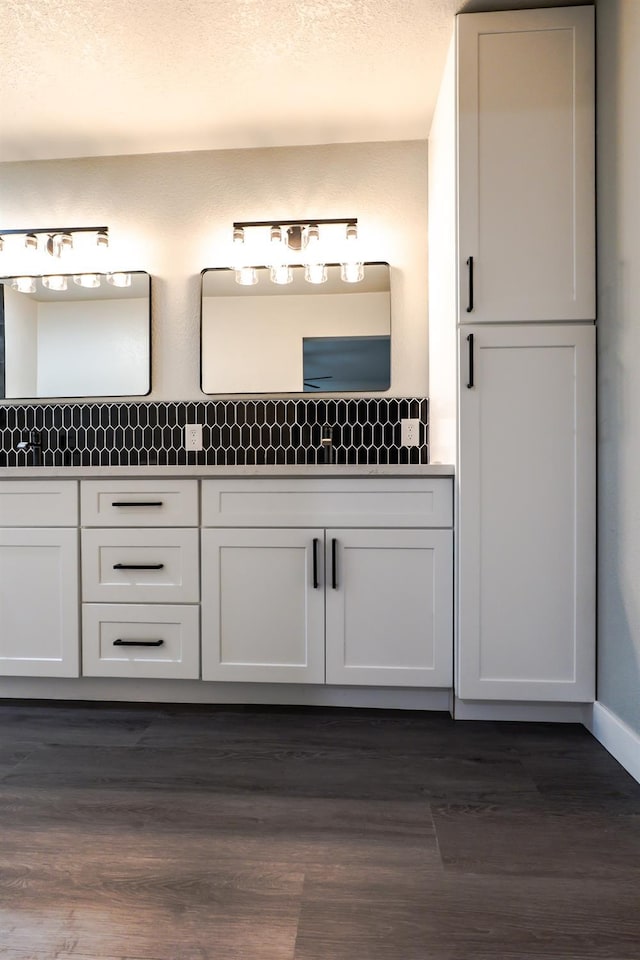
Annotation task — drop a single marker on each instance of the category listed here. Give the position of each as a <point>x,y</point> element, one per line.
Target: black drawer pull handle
<point>136,503</point>
<point>334,564</point>
<point>315,563</point>
<point>470,266</point>
<point>138,643</point>
<point>138,566</point>
<point>470,382</point>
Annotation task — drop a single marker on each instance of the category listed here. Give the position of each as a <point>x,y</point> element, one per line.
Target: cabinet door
<point>526,519</point>
<point>39,634</point>
<point>262,605</point>
<point>526,167</point>
<point>390,607</point>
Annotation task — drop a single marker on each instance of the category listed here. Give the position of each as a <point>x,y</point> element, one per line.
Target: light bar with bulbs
<point>57,242</point>
<point>296,242</point>
<point>58,239</point>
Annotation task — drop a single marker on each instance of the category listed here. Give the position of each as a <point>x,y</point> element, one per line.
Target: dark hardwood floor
<point>227,833</point>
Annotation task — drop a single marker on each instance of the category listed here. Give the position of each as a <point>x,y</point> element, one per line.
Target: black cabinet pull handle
<point>470,266</point>
<point>334,564</point>
<point>136,503</point>
<point>138,643</point>
<point>470,382</point>
<point>315,563</point>
<point>138,566</point>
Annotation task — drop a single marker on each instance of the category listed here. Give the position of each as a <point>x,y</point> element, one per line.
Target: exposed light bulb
<point>24,284</point>
<point>238,235</point>
<point>90,280</point>
<point>313,234</point>
<point>55,282</point>
<point>352,272</point>
<point>119,279</point>
<point>281,274</point>
<point>315,272</point>
<point>102,239</point>
<point>246,276</point>
<point>31,241</point>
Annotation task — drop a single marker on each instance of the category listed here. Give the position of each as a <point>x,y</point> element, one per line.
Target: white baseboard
<point>198,691</point>
<point>525,712</point>
<point>620,740</point>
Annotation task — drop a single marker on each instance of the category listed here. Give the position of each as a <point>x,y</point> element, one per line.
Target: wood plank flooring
<point>230,833</point>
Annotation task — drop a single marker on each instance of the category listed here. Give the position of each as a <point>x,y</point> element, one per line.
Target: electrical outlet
<point>193,436</point>
<point>410,433</point>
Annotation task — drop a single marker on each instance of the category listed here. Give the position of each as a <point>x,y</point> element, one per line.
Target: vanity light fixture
<point>352,268</point>
<point>59,240</point>
<point>296,242</point>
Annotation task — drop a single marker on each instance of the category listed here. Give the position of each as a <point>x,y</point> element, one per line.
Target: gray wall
<point>618,36</point>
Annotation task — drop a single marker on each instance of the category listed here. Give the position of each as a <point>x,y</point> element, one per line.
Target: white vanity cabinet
<point>140,578</point>
<point>39,634</point>
<point>328,581</point>
<point>526,165</point>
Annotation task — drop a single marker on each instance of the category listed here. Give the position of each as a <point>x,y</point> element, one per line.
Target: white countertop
<point>194,470</point>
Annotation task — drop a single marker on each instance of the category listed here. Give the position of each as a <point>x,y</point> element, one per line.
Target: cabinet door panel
<point>526,165</point>
<point>527,516</point>
<point>390,613</point>
<point>39,635</point>
<point>262,617</point>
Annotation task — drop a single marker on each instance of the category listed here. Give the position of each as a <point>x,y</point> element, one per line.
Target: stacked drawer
<point>140,578</point>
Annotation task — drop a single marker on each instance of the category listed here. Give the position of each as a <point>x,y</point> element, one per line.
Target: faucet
<point>326,441</point>
<point>32,443</point>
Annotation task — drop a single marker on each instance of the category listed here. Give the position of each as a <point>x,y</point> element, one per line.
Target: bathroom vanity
<point>321,580</point>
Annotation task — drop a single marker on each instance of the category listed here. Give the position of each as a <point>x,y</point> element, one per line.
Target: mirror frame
<point>4,400</point>
<point>301,394</point>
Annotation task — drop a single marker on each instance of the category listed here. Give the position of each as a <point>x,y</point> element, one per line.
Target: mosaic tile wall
<point>235,432</point>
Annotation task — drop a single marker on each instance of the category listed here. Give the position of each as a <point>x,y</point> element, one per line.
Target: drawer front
<point>139,503</point>
<point>130,640</point>
<point>359,502</point>
<point>140,566</point>
<point>38,503</point>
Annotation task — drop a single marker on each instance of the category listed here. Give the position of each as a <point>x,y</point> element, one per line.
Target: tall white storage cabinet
<point>526,166</point>
<point>512,384</point>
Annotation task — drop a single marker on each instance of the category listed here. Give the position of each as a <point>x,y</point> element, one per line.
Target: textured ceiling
<point>102,77</point>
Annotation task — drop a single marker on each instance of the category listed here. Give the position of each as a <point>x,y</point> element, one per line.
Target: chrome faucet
<point>326,441</point>
<point>32,443</point>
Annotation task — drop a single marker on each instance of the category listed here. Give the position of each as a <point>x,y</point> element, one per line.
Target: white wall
<point>618,71</point>
<point>21,343</point>
<point>171,215</point>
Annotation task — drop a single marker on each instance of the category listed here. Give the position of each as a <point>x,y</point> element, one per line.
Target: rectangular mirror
<point>78,342</point>
<point>298,338</point>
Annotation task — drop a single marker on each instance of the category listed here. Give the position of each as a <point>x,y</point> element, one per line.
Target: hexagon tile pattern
<point>235,432</point>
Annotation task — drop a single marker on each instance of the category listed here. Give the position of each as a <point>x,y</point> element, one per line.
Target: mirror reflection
<point>302,337</point>
<point>70,339</point>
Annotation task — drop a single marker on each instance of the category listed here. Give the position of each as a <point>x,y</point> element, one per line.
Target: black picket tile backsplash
<point>235,432</point>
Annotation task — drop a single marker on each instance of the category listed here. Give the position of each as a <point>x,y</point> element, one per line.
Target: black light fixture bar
<point>290,223</point>
<point>8,233</point>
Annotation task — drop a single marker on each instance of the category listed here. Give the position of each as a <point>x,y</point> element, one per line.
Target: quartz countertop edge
<point>194,470</point>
